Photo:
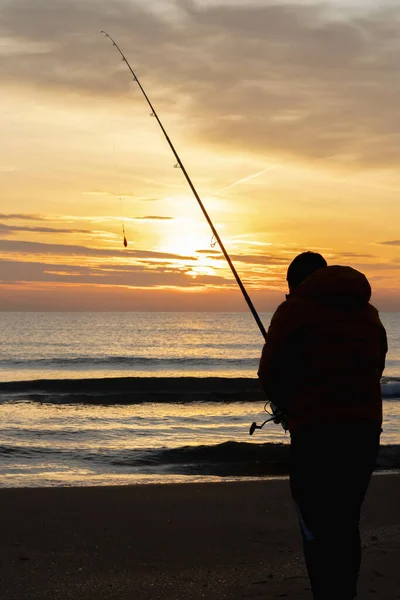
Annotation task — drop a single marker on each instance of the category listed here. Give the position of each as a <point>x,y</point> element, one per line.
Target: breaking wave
<point>135,390</point>
<point>226,459</point>
<point>127,362</point>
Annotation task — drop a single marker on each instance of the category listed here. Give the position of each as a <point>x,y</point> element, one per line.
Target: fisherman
<point>321,368</point>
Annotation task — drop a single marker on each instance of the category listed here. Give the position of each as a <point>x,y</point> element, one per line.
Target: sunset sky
<point>286,115</point>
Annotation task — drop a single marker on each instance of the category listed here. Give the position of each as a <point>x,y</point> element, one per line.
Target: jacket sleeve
<point>275,360</point>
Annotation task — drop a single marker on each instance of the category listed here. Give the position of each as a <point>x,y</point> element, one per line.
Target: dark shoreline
<point>218,541</point>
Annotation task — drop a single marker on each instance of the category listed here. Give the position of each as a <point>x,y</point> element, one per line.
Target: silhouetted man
<point>321,366</point>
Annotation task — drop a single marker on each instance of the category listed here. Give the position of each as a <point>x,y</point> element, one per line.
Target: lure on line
<point>125,240</point>
<point>179,165</point>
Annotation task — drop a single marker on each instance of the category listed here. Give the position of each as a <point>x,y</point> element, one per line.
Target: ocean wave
<point>226,459</point>
<point>135,390</point>
<point>127,361</point>
<point>391,388</point>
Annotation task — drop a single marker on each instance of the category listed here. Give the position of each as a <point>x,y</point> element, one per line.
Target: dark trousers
<point>330,470</point>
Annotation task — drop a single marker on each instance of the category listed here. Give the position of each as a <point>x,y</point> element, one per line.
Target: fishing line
<point>125,242</point>
<point>117,173</point>
<point>179,165</point>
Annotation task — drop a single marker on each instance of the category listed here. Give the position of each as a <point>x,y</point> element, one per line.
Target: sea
<point>126,398</point>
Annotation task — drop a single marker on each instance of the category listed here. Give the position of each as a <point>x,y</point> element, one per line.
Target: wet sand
<point>235,541</point>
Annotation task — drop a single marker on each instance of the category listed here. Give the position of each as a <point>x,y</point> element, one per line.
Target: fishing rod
<point>196,195</point>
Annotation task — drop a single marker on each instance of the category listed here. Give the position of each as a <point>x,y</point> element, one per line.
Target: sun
<point>185,238</point>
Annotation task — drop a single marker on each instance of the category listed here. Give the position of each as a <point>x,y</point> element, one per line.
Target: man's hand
<point>280,417</point>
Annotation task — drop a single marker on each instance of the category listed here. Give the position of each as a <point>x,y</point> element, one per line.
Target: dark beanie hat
<point>304,265</point>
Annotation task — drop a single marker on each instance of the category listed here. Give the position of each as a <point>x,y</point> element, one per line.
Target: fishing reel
<point>254,425</point>
<point>277,416</point>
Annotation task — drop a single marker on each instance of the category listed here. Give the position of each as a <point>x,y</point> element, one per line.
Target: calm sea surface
<point>52,436</point>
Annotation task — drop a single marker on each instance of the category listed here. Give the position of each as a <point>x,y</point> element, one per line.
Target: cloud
<point>132,275</point>
<point>38,261</point>
<point>152,218</point>
<point>313,84</point>
<point>40,248</point>
<point>122,196</point>
<point>245,179</point>
<point>391,243</point>
<point>10,229</point>
<point>22,217</point>
<point>387,266</point>
<point>256,259</point>
<point>354,255</point>
<point>72,297</point>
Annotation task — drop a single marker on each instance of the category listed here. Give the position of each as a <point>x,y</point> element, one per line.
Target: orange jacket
<point>325,351</point>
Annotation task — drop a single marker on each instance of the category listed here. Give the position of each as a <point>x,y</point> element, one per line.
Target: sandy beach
<point>176,542</point>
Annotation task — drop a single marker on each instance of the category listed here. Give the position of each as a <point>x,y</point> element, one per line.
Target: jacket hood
<point>336,286</point>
